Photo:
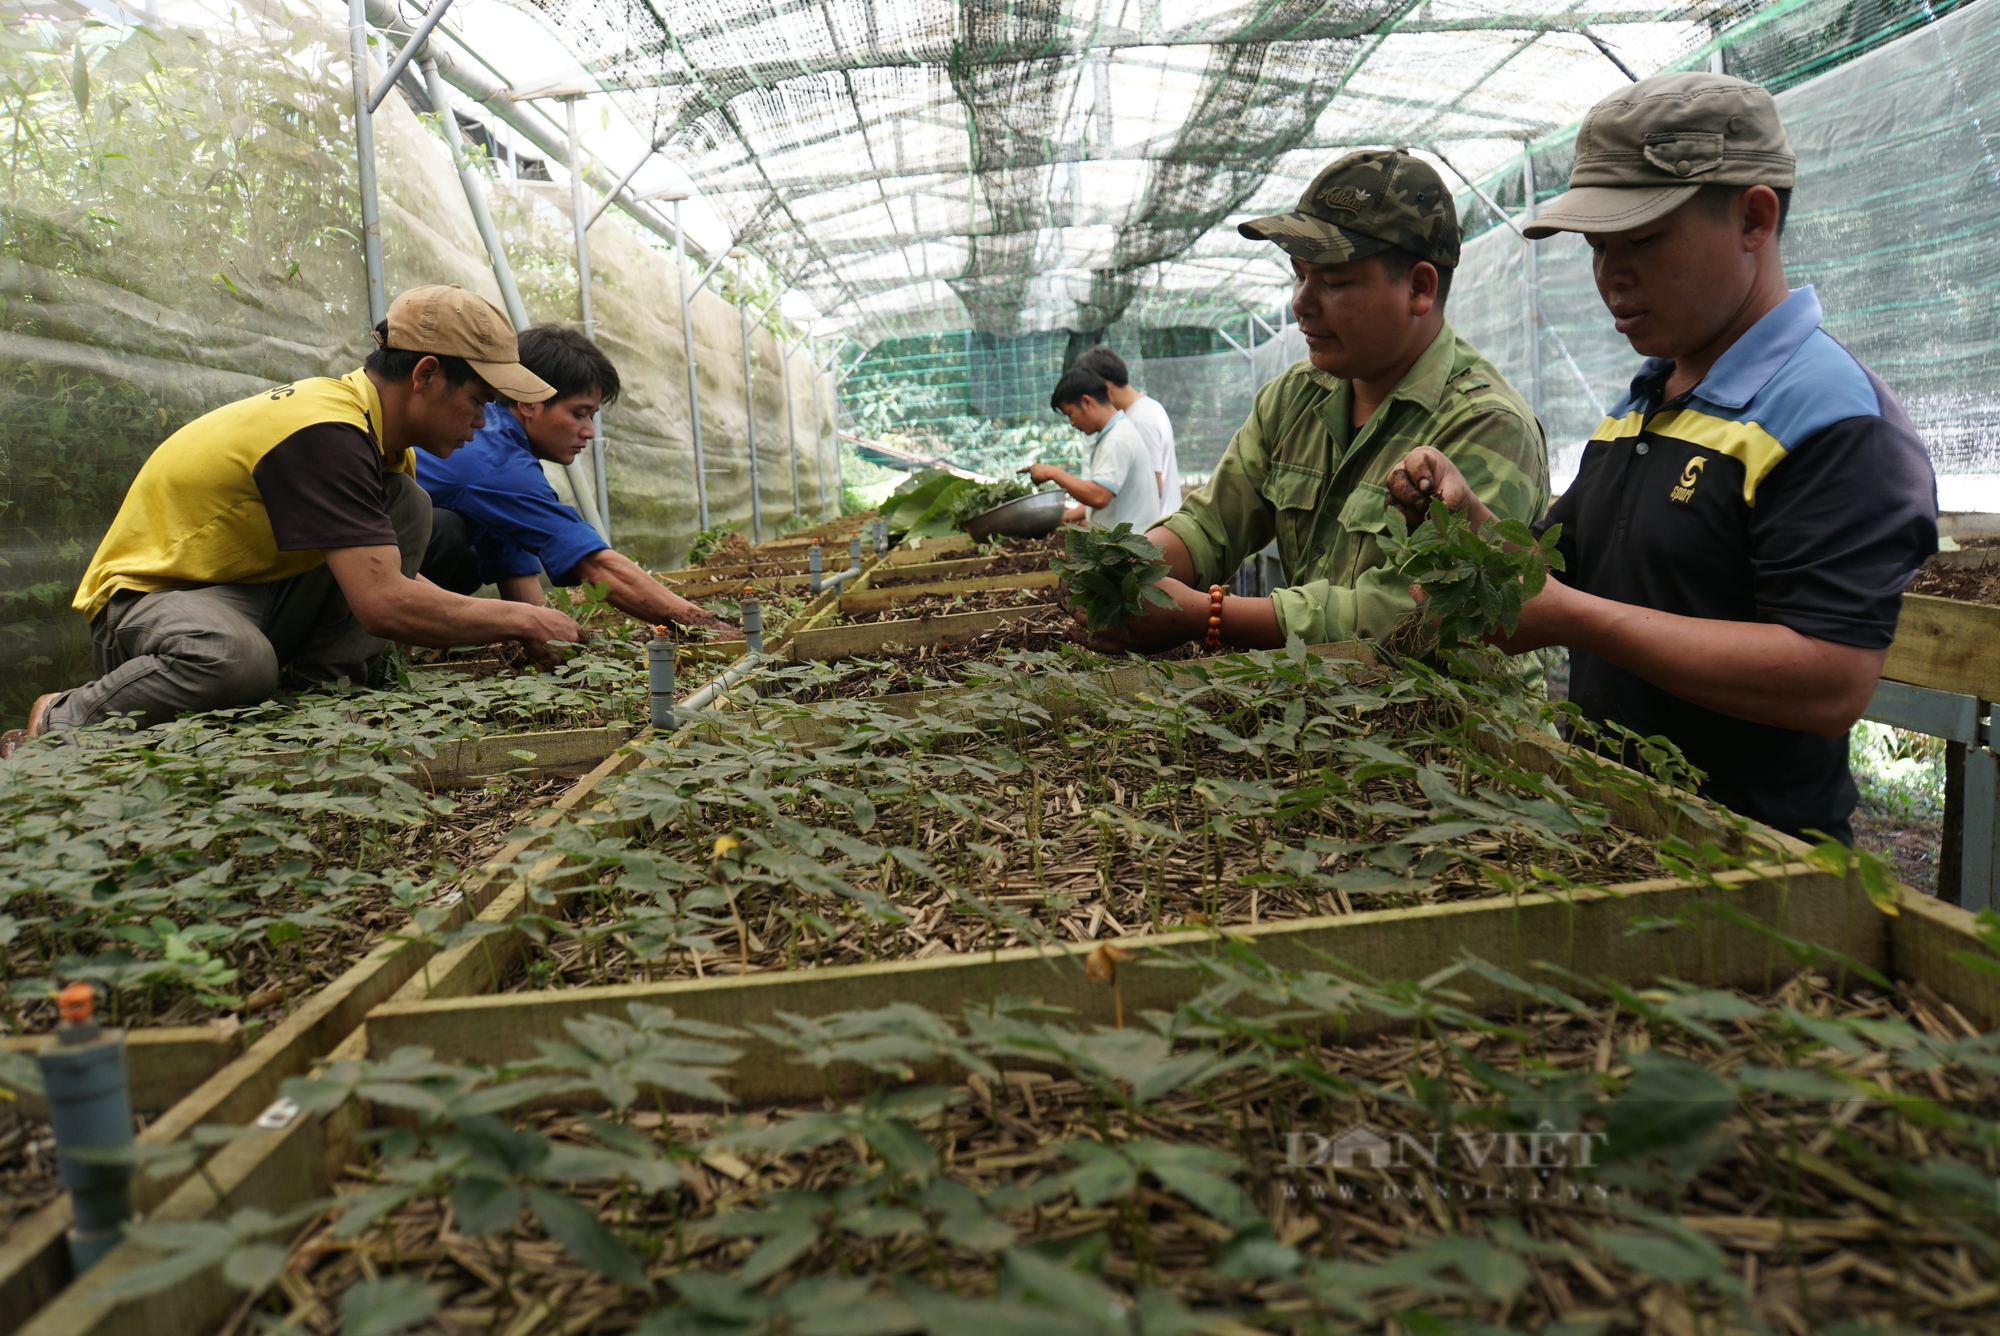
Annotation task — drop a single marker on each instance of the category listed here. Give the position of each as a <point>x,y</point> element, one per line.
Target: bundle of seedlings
<point>1112,575</point>
<point>1262,787</point>
<point>1306,1152</point>
<point>1474,584</point>
<point>235,862</point>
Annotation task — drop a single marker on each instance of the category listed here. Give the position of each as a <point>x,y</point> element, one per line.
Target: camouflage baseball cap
<point>1645,150</point>
<point>1363,204</point>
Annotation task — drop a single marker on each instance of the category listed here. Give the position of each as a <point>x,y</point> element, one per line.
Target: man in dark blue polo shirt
<point>1744,521</point>
<point>495,519</point>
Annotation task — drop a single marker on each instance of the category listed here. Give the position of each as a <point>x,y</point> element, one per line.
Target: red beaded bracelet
<point>1215,593</point>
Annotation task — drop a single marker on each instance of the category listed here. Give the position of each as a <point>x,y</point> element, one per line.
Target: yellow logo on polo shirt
<point>1689,477</point>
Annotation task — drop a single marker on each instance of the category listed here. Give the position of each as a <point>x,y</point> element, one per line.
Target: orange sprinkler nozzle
<point>75,1002</point>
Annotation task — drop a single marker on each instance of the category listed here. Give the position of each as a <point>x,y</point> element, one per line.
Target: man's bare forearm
<point>1093,494</point>
<point>1757,671</point>
<point>636,594</point>
<point>417,612</point>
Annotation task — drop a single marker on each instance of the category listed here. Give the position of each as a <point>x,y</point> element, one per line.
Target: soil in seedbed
<point>1685,1160</point>
<point>1962,584</point>
<point>920,606</point>
<point>1178,804</point>
<point>29,1176</point>
<point>1909,844</point>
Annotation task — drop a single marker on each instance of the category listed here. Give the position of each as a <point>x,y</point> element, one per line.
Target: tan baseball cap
<point>448,321</point>
<point>1645,150</point>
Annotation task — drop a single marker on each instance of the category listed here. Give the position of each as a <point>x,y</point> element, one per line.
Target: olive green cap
<point>1363,204</point>
<point>1645,150</point>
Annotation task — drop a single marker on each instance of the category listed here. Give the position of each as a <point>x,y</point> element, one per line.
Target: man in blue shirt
<point>495,519</point>
<point>1744,521</point>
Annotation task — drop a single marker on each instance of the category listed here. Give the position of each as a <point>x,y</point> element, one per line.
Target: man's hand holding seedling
<point>1428,475</point>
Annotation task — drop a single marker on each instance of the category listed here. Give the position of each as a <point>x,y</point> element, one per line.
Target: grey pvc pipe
<point>90,1108</point>
<point>660,680</point>
<point>364,152</point>
<point>706,697</point>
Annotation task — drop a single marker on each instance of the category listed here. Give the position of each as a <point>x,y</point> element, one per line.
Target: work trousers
<point>215,647</point>
<point>451,561</point>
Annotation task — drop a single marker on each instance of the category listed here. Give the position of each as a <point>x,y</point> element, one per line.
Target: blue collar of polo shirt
<point>1741,373</point>
<point>500,421</point>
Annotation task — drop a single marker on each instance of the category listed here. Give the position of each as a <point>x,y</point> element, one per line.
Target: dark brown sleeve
<point>322,487</point>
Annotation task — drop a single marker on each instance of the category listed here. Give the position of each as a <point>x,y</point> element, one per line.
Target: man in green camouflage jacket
<point>1373,244</point>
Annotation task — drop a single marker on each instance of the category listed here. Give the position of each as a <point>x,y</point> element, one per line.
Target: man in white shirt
<point>1146,413</point>
<point>1121,487</point>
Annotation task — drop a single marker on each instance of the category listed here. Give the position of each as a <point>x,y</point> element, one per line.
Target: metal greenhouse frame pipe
<point>582,228</point>
<point>503,273</point>
<point>364,152</point>
<point>409,52</point>
<point>791,428</point>
<point>819,440</point>
<point>497,98</point>
<point>694,390</point>
<point>750,430</point>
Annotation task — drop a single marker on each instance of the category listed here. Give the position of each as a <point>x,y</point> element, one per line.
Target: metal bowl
<point>1035,516</point>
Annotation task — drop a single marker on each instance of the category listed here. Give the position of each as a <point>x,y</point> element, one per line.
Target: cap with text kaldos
<point>445,320</point>
<point>1647,149</point>
<point>1364,204</point>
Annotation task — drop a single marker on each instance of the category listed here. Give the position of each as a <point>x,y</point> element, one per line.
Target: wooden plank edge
<point>866,599</point>
<point>1587,933</point>
<point>163,1064</point>
<point>840,642</point>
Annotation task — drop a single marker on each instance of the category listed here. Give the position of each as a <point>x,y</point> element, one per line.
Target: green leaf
<point>255,1267</point>
<point>1661,1258</point>
<point>584,1237</point>
<point>386,1306</point>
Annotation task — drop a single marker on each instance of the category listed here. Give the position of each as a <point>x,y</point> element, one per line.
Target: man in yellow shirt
<point>278,538</point>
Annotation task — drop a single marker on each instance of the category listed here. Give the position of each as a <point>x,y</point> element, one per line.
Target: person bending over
<point>1744,521</point>
<point>277,539</point>
<point>1146,413</point>
<point>497,520</point>
<point>1120,488</point>
<point>1372,244</point>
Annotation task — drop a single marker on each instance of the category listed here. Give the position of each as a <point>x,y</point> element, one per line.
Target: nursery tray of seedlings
<point>1948,637</point>
<point>863,831</point>
<point>1727,924</point>
<point>273,902</point>
<point>1695,1154</point>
